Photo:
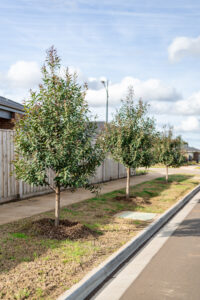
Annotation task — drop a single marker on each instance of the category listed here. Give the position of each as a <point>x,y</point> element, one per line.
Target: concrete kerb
<point>95,278</point>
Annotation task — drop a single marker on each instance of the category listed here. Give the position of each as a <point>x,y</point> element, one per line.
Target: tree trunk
<point>128,183</point>
<point>166,173</point>
<point>57,206</point>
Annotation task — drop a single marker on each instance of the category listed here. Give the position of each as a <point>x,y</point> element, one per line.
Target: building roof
<point>100,125</point>
<point>190,149</point>
<point>11,106</point>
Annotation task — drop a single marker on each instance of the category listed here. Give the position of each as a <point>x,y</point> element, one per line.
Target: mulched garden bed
<point>133,200</point>
<point>66,230</point>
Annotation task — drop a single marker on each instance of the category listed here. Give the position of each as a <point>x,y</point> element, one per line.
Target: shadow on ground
<point>188,228</point>
<point>17,245</point>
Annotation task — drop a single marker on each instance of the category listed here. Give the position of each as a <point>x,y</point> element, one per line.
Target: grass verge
<point>35,267</point>
<point>141,172</point>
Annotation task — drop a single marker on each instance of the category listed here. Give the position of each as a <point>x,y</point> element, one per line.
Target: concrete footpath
<point>168,267</point>
<point>14,211</point>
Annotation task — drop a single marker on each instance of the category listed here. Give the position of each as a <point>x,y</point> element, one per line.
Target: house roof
<point>191,149</point>
<point>100,125</point>
<point>11,106</point>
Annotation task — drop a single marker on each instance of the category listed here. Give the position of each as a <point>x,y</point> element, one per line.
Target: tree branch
<point>51,187</point>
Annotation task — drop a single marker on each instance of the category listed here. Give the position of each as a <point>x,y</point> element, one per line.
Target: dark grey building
<point>192,154</point>
<point>9,112</point>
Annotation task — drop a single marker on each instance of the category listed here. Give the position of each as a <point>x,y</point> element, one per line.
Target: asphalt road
<point>174,272</point>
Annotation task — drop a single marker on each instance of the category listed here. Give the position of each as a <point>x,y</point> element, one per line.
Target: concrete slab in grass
<point>141,216</point>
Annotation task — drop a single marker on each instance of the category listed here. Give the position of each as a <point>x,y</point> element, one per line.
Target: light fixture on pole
<point>106,84</point>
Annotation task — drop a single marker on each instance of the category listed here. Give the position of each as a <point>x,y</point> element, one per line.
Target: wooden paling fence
<point>11,188</point>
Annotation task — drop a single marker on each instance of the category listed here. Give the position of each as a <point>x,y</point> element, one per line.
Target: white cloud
<point>164,100</point>
<point>182,46</point>
<point>190,124</point>
<point>166,103</point>
<point>24,74</point>
<point>149,90</point>
<point>161,108</point>
<point>183,107</point>
<point>189,106</point>
<point>155,90</point>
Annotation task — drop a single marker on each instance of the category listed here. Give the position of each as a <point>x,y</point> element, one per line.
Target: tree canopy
<point>130,136</point>
<point>56,132</point>
<point>170,149</point>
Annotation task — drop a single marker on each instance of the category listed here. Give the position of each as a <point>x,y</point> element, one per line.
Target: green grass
<point>19,235</point>
<point>95,227</point>
<point>159,166</point>
<point>73,212</point>
<point>141,172</point>
<point>22,294</point>
<point>191,163</point>
<point>156,195</point>
<point>40,262</point>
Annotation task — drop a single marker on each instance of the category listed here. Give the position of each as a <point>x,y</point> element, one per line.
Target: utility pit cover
<point>136,215</point>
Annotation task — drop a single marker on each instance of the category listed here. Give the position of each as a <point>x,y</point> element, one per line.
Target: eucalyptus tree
<point>57,134</point>
<point>170,149</point>
<point>130,136</point>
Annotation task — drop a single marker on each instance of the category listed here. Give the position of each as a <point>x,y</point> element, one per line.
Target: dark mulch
<point>133,200</point>
<point>66,229</point>
<point>123,198</point>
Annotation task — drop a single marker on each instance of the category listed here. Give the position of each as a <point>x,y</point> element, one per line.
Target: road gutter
<point>97,276</point>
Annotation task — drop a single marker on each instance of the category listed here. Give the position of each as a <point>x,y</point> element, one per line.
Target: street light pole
<point>106,84</point>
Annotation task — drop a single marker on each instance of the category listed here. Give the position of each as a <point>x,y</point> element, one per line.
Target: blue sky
<point>153,44</point>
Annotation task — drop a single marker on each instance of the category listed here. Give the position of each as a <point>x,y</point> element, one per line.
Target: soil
<point>66,230</point>
<point>39,261</point>
<point>133,200</point>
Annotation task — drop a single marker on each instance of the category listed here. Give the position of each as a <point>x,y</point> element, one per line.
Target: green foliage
<point>56,132</point>
<point>19,235</point>
<point>130,136</point>
<point>169,148</point>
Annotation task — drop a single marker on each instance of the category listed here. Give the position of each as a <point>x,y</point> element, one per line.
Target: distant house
<point>192,154</point>
<point>9,112</point>
<point>100,125</point>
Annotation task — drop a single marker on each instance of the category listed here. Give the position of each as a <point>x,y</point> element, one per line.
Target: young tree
<point>57,134</point>
<point>170,149</point>
<point>130,136</point>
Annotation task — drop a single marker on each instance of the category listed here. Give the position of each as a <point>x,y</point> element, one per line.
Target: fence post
<point>17,190</point>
